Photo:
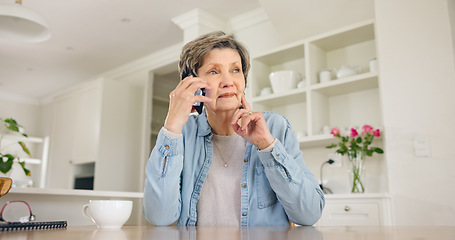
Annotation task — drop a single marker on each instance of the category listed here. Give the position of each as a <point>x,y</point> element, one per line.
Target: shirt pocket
<point>265,193</point>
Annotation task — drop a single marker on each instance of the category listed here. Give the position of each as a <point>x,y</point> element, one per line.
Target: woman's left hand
<point>252,126</point>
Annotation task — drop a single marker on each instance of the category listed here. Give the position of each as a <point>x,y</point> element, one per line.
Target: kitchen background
<point>104,125</point>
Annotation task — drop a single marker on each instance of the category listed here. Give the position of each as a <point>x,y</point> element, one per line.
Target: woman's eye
<point>213,72</point>
<point>237,70</point>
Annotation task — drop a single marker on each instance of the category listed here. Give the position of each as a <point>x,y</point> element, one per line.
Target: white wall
<point>26,114</point>
<point>417,82</point>
<point>451,9</point>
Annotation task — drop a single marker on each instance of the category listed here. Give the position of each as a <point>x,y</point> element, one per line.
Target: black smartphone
<point>201,91</point>
<point>199,105</point>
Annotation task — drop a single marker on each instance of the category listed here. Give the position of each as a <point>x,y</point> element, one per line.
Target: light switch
<point>421,146</point>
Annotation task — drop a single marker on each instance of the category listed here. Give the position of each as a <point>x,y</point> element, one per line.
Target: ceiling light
<point>22,24</point>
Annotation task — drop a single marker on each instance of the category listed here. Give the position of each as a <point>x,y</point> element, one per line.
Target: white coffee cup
<point>325,76</point>
<point>108,213</point>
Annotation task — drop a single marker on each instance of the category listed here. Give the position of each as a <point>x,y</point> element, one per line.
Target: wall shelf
<point>344,103</point>
<point>35,144</point>
<point>277,99</point>
<point>347,85</point>
<point>317,141</point>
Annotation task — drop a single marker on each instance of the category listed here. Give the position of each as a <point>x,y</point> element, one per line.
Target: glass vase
<point>356,171</point>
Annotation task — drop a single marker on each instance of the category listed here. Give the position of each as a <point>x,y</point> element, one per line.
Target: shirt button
<point>244,185</point>
<point>244,214</point>
<point>245,160</point>
<point>277,156</point>
<point>167,146</point>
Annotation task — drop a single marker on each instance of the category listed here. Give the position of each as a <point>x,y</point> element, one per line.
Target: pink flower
<point>354,133</point>
<point>335,132</point>
<point>376,133</point>
<point>367,129</point>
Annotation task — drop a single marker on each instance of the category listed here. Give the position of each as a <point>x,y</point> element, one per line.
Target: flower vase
<point>356,171</point>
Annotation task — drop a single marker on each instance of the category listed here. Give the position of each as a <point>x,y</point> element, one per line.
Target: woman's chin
<point>224,107</point>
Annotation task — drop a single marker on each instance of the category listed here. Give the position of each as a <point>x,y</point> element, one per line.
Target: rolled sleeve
<point>162,200</point>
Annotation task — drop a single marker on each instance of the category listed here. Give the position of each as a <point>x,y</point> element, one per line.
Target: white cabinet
<point>86,124</point>
<point>61,146</point>
<point>76,121</point>
<point>96,126</point>
<point>356,210</point>
<point>344,102</point>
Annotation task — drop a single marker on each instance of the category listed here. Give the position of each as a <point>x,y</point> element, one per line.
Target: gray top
<point>219,203</point>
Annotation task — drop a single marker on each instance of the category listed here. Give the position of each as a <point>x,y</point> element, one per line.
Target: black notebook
<point>6,226</point>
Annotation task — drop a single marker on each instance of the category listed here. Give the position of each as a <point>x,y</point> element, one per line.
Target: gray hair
<point>193,52</point>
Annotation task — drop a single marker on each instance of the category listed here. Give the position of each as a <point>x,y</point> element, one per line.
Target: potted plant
<point>9,126</point>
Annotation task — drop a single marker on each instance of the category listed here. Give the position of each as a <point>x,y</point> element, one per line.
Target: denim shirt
<point>276,186</point>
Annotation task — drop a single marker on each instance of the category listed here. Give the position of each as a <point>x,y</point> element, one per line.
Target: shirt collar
<point>204,128</point>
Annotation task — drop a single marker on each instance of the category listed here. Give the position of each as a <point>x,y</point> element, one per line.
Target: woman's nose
<point>226,81</point>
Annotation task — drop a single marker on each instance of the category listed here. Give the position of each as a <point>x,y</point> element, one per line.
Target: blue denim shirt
<point>276,186</point>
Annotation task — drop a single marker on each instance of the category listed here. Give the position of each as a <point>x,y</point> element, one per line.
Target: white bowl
<point>284,80</point>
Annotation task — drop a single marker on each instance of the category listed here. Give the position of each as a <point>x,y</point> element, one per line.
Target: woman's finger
<point>237,117</point>
<point>245,104</point>
<point>201,98</point>
<point>246,119</point>
<point>192,84</point>
<point>241,120</point>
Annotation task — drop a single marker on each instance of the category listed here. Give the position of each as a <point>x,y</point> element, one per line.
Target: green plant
<point>9,126</point>
<point>357,143</point>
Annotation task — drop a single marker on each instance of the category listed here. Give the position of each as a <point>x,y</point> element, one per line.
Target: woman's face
<point>222,69</point>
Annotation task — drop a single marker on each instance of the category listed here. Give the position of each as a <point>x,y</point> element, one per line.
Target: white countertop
<point>252,233</point>
<point>74,192</point>
<point>357,196</point>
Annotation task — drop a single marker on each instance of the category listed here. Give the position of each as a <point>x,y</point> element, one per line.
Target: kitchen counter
<point>251,233</point>
<point>65,204</point>
<point>73,192</point>
<point>50,204</point>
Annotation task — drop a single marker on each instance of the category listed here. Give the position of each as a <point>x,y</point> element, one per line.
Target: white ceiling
<point>91,37</point>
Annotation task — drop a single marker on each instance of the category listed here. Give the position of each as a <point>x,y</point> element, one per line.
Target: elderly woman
<point>228,165</point>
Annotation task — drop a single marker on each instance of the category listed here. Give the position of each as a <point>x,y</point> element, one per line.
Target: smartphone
<point>199,105</point>
<point>201,91</point>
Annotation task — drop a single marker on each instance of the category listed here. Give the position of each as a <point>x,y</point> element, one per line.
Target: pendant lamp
<point>18,23</point>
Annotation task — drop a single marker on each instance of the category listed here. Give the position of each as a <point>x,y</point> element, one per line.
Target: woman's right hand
<point>181,101</point>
